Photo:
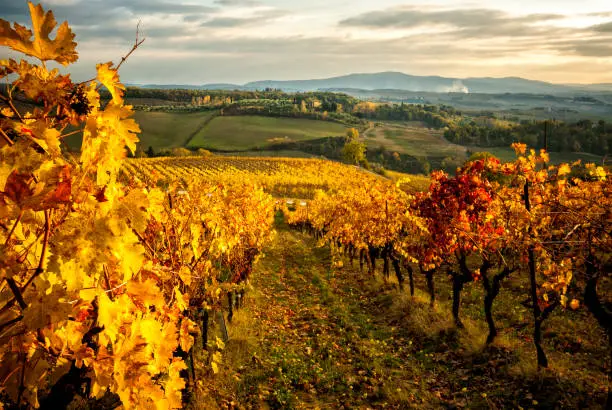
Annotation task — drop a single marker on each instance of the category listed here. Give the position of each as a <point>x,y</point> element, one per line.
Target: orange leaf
<point>63,190</point>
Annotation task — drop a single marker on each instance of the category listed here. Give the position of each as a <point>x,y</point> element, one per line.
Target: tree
<point>150,152</point>
<point>352,134</point>
<point>354,152</point>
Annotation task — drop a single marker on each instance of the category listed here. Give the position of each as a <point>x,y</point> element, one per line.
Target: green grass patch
<point>413,139</point>
<point>162,130</point>
<point>270,153</point>
<point>248,132</point>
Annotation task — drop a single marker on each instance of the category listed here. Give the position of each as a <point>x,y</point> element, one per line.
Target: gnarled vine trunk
<point>430,286</point>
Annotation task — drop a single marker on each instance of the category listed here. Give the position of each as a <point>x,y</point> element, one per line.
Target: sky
<point>236,41</point>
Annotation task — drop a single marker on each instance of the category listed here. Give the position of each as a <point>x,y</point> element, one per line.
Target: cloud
<point>238,3</point>
<point>260,18</point>
<point>460,22</point>
<point>198,41</point>
<point>492,28</point>
<point>95,12</point>
<point>226,22</point>
<point>603,28</point>
<point>408,17</point>
<point>587,47</point>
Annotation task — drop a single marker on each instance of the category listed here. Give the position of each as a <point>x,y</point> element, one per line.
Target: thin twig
<point>9,101</point>
<point>43,254</point>
<point>16,292</point>
<point>70,133</point>
<point>107,281</point>
<point>8,238</point>
<point>143,241</point>
<point>6,137</point>
<point>137,43</point>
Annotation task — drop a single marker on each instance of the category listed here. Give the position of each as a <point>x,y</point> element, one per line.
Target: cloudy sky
<point>205,41</point>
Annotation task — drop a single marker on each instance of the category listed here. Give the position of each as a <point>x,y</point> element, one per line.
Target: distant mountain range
<point>401,81</point>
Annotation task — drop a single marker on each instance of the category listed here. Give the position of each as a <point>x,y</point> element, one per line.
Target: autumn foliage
<point>107,280</point>
<point>490,220</point>
<point>102,283</point>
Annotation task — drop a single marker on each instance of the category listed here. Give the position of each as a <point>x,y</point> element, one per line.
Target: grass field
<point>169,129</point>
<point>247,132</point>
<point>271,153</point>
<point>413,139</point>
<point>419,141</point>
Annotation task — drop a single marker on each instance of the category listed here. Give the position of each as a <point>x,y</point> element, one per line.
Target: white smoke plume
<point>458,87</point>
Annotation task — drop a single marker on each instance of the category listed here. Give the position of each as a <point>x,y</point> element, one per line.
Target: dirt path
<point>320,342</point>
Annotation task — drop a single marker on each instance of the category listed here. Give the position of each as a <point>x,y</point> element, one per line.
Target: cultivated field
<point>246,132</point>
<point>162,130</point>
<point>412,138</point>
<point>421,142</point>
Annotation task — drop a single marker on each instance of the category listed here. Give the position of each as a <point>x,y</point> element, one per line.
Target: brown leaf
<point>58,190</point>
<point>100,195</point>
<point>18,187</point>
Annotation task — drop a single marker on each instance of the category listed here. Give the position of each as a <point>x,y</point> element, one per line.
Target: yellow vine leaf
<point>185,275</point>
<point>62,49</point>
<point>185,338</point>
<point>110,314</point>
<point>220,344</point>
<point>180,300</point>
<point>164,350</point>
<point>519,148</point>
<point>109,77</point>
<point>175,384</point>
<point>564,169</point>
<point>146,292</point>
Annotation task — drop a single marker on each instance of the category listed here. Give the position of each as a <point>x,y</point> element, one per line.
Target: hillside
<point>249,132</point>
<point>401,81</point>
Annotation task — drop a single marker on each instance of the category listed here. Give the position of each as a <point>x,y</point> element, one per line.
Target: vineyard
<point>281,177</point>
<point>235,282</point>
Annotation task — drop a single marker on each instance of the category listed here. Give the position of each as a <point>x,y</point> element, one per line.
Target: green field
<point>248,132</point>
<point>421,142</point>
<point>169,129</point>
<point>271,153</point>
<point>413,139</point>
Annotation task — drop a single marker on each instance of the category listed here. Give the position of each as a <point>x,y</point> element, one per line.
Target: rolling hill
<point>401,81</point>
